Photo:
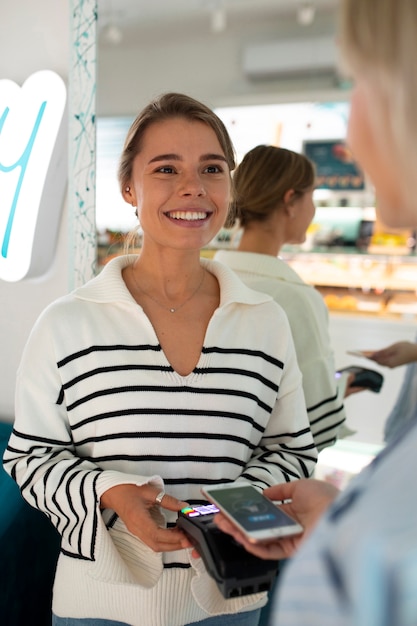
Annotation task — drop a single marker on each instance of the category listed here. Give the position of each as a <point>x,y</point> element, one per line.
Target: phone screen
<point>200,511</point>
<point>251,510</point>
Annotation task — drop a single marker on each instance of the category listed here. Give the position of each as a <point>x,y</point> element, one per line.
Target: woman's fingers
<point>166,501</point>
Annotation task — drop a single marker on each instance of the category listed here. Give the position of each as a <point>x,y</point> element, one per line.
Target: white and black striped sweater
<point>98,404</point>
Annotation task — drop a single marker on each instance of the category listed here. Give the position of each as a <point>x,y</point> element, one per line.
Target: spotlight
<point>306,13</point>
<point>112,34</point>
<point>218,19</point>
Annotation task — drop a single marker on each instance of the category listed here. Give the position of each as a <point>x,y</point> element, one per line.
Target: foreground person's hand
<point>134,506</point>
<point>399,353</point>
<point>309,498</point>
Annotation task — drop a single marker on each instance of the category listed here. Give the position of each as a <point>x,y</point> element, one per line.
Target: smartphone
<point>363,353</point>
<point>254,515</point>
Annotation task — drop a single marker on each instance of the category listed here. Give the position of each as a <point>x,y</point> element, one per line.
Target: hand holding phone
<point>255,515</point>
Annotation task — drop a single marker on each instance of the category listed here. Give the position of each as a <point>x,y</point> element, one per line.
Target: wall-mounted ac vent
<point>290,58</point>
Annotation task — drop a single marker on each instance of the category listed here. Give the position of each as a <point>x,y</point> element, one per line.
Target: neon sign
<point>33,173</point>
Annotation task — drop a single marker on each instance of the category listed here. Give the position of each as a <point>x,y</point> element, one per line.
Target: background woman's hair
<point>261,180</point>
<point>378,41</point>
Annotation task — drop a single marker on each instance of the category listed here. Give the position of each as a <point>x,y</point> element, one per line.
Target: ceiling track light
<point>306,13</point>
<point>218,19</point>
<point>112,34</point>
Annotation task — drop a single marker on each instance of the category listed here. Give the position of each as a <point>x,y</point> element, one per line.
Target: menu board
<point>335,166</point>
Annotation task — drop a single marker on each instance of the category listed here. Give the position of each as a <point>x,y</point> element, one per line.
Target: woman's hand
<point>309,498</point>
<point>350,388</point>
<point>133,505</point>
<point>399,353</point>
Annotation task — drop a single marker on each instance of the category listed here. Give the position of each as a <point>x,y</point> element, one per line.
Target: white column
<point>82,141</point>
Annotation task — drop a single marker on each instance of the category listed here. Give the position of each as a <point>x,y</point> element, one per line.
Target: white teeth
<point>188,215</point>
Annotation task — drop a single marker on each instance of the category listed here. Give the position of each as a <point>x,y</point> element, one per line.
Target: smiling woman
<point>178,377</point>
<point>182,197</point>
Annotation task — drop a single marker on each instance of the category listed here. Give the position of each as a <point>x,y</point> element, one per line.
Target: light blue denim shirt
<point>359,567</point>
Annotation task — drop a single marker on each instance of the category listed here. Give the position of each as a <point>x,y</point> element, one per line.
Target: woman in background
<point>274,206</point>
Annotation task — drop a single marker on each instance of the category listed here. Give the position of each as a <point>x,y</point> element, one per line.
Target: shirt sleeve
<point>309,320</point>
<point>40,454</point>
<point>287,450</point>
<point>325,408</point>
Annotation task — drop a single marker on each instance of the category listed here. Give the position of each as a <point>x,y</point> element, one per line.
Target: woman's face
<point>303,210</point>
<point>372,149</point>
<point>180,184</point>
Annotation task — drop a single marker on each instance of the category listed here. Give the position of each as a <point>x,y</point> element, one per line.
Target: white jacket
<point>309,321</point>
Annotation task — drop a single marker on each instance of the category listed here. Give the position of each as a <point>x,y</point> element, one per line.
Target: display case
<point>350,281</point>
<point>378,284</point>
<point>359,265</point>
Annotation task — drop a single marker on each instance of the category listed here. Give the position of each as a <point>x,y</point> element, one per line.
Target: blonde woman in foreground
<point>359,565</point>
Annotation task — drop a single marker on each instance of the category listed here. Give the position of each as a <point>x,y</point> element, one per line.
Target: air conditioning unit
<point>290,58</point>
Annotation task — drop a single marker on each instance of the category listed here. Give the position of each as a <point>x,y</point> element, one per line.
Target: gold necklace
<point>170,309</point>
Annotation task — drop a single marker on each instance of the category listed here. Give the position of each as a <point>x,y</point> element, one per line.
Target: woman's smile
<point>181,181</point>
<point>191,216</point>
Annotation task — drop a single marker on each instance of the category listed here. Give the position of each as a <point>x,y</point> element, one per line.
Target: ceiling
<point>122,21</point>
<point>44,31</point>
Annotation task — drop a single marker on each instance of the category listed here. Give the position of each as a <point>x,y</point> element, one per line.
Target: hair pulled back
<point>262,179</point>
<point>165,107</point>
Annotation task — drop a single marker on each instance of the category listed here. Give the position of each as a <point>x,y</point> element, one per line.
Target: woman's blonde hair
<point>378,42</point>
<point>262,179</point>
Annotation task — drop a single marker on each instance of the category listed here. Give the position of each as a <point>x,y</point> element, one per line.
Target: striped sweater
<point>309,321</point>
<point>99,405</point>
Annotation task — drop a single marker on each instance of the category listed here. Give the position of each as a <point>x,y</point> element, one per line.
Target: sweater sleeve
<point>287,450</point>
<point>309,321</point>
<point>325,409</point>
<point>40,453</point>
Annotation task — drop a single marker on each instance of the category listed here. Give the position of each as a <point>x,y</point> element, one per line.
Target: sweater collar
<point>109,285</point>
<point>255,263</point>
